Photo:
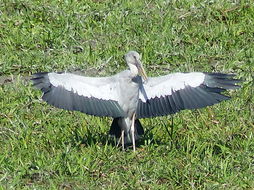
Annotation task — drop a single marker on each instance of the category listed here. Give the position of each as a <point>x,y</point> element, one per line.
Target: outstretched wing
<point>93,96</point>
<point>174,92</point>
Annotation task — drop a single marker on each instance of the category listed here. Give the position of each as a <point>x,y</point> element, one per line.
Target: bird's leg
<point>122,137</point>
<point>133,132</point>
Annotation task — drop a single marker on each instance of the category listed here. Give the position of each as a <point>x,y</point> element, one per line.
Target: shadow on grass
<point>101,138</point>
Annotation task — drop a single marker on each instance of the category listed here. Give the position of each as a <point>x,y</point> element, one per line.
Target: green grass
<point>47,148</point>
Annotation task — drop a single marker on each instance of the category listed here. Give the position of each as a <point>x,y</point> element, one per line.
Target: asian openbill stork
<point>131,95</point>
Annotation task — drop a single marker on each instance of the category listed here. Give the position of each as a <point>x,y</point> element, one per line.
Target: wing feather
<point>174,92</point>
<point>94,96</point>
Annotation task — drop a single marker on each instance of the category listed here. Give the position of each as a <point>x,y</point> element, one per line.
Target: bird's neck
<point>134,70</point>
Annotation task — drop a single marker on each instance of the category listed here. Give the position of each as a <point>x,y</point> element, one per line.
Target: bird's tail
<point>115,131</point>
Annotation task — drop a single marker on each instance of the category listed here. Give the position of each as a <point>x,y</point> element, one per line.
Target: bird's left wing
<point>171,93</point>
<point>90,95</point>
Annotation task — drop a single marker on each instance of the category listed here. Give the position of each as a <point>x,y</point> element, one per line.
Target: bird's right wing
<point>90,95</point>
<point>171,93</point>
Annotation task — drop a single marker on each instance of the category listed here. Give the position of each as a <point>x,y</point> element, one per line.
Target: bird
<point>131,95</point>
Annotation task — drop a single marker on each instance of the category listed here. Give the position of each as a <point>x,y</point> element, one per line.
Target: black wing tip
<point>235,86</point>
<point>39,74</point>
<point>223,75</point>
<point>41,81</point>
<point>222,80</point>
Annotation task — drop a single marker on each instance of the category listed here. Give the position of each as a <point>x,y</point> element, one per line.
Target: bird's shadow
<point>90,139</point>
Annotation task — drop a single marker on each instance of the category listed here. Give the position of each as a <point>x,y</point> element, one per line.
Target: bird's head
<point>132,58</point>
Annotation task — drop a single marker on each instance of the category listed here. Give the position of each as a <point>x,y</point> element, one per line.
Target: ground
<point>47,148</point>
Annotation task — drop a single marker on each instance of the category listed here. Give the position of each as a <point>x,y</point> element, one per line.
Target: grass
<point>47,148</point>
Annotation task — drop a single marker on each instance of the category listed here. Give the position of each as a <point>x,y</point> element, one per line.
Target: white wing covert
<point>171,93</point>
<point>93,96</point>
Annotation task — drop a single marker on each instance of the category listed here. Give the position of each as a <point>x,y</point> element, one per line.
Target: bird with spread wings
<point>130,95</point>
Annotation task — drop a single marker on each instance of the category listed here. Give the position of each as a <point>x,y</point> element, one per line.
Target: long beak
<point>141,71</point>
